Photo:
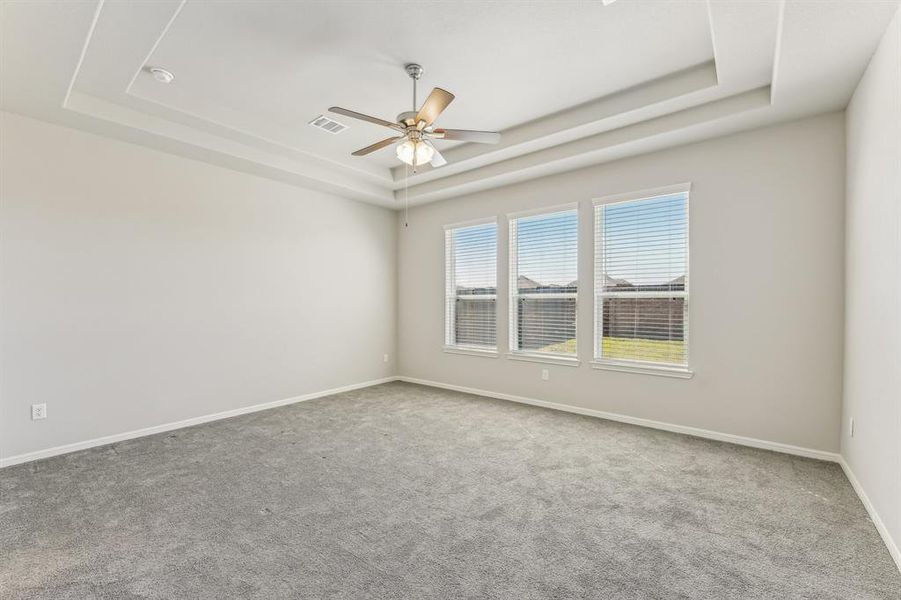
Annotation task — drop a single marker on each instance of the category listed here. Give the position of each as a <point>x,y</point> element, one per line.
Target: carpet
<point>406,491</point>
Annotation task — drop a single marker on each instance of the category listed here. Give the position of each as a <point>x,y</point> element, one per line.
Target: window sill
<point>566,361</point>
<point>470,351</point>
<point>677,372</point>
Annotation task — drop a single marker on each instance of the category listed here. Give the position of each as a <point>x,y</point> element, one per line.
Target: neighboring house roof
<point>675,284</point>
<point>525,283</point>
<point>614,282</point>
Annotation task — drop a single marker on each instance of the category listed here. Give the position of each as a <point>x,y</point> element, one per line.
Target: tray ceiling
<point>568,83</point>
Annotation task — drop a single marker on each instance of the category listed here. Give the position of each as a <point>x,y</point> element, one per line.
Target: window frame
<point>450,299</point>
<point>598,361</point>
<point>513,289</point>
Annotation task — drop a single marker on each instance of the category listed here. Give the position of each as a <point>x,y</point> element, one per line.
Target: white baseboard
<point>694,431</point>
<point>128,435</point>
<point>683,429</point>
<point>893,548</point>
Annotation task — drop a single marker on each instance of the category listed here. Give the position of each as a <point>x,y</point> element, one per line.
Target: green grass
<point>663,351</point>
<point>567,347</point>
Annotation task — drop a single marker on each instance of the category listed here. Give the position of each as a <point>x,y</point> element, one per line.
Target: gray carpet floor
<point>403,491</point>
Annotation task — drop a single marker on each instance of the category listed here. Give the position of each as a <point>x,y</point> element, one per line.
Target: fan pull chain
<point>406,195</point>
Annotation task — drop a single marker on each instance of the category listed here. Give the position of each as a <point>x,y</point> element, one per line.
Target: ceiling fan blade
<point>465,135</point>
<point>376,146</point>
<point>433,106</point>
<point>362,117</point>
<point>437,159</point>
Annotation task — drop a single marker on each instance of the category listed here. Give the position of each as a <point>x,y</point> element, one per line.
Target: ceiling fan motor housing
<point>406,117</point>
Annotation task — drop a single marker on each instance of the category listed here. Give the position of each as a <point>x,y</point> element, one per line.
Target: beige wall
<point>873,285</point>
<point>139,288</point>
<point>766,304</point>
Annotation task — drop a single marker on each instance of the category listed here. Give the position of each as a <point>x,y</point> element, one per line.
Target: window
<point>471,284</point>
<point>641,280</point>
<point>543,283</point>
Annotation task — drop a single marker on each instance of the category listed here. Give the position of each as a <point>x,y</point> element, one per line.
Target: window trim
<point>542,210</point>
<point>471,223</point>
<point>646,194</point>
<point>471,351</point>
<point>683,371</point>
<point>450,275</point>
<point>645,368</point>
<point>566,360</point>
<point>512,287</point>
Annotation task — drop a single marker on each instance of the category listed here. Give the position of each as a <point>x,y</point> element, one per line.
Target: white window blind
<point>641,280</point>
<point>471,284</point>
<point>543,282</point>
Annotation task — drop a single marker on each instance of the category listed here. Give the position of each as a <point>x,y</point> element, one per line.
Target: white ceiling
<point>269,68</point>
<point>568,83</point>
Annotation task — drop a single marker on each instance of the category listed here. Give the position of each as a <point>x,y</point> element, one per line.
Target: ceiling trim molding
<point>156,43</point>
<point>322,174</point>
<point>84,51</point>
<point>608,113</point>
<point>639,102</point>
<point>712,37</point>
<point>645,136</point>
<point>304,169</point>
<point>80,64</point>
<point>774,78</point>
<point>254,139</point>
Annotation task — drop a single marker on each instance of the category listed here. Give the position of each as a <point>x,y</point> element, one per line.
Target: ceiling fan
<point>415,128</point>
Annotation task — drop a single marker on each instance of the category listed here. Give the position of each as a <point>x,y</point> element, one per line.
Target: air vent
<point>326,124</point>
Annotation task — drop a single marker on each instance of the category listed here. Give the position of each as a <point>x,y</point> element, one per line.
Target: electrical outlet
<point>384,358</point>
<point>851,427</point>
<point>38,411</point>
<point>545,374</point>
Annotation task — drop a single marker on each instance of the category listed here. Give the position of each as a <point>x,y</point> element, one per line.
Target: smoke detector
<point>161,75</point>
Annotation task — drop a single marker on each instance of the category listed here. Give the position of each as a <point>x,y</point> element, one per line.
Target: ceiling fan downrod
<point>415,72</point>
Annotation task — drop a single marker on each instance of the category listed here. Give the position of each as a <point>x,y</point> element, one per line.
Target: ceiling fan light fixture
<point>416,130</point>
<point>408,149</point>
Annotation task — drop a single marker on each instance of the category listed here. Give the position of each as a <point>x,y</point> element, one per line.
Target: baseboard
<point>128,435</point>
<point>694,431</point>
<point>893,548</point>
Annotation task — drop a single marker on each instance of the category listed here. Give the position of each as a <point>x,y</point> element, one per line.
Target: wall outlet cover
<point>38,411</point>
